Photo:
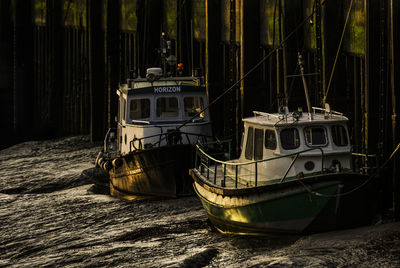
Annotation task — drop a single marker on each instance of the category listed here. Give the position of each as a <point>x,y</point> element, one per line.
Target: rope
<point>251,70</point>
<point>300,176</point>
<point>337,52</point>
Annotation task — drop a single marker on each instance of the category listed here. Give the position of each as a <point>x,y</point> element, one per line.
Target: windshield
<point>167,107</point>
<point>139,109</point>
<point>193,105</point>
<point>315,136</point>
<point>290,138</point>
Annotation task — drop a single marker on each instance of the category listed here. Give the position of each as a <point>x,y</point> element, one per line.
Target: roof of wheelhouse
<point>170,84</point>
<point>295,118</point>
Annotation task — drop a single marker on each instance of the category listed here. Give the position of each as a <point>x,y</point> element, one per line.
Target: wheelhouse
<point>149,109</point>
<point>293,144</point>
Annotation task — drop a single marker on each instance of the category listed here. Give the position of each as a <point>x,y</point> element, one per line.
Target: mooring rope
<point>252,69</point>
<point>249,72</point>
<point>300,176</point>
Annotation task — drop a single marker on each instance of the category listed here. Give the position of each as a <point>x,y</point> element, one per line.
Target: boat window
<point>139,109</point>
<point>167,107</point>
<point>315,136</point>
<point>123,109</point>
<point>193,105</point>
<point>339,136</point>
<point>270,139</point>
<point>258,144</point>
<point>249,144</point>
<point>290,138</point>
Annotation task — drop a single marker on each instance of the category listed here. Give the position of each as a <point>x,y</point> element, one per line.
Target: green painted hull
<point>288,207</point>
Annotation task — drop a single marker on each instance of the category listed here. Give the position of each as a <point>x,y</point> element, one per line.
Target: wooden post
<point>230,99</point>
<point>23,69</point>
<point>249,57</point>
<point>149,29</point>
<point>320,89</point>
<point>6,64</point>
<point>395,82</point>
<point>55,39</point>
<point>113,58</point>
<point>96,46</point>
<point>213,59</point>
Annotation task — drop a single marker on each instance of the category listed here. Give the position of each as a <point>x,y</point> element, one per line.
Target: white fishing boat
<point>160,119</point>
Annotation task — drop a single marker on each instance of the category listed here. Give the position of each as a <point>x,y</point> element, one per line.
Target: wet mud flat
<point>54,213</point>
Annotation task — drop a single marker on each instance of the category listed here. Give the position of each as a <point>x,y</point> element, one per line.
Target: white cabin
<point>320,135</point>
<point>151,108</point>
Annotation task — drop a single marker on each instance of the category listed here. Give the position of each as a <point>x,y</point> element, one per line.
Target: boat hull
<point>289,207</point>
<point>154,173</point>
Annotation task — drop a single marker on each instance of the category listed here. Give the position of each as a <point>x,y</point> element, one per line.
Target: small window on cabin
<point>339,136</point>
<point>290,138</point>
<point>124,110</point>
<point>193,105</point>
<point>249,144</point>
<point>270,139</point>
<point>258,144</point>
<point>315,136</point>
<point>167,107</point>
<point>139,109</point>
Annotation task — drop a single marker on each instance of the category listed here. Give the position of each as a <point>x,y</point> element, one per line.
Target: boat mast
<point>300,62</point>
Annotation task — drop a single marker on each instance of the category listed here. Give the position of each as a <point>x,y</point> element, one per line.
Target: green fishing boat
<point>294,175</point>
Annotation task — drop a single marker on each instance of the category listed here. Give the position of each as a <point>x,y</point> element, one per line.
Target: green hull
<point>288,207</point>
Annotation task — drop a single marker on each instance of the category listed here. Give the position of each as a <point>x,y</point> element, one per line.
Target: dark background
<point>61,62</point>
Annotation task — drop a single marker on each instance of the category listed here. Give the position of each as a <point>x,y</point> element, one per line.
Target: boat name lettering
<point>171,89</point>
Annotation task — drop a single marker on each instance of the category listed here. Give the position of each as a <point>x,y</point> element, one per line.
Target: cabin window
<point>193,105</point>
<point>139,109</point>
<point>290,138</point>
<point>249,144</point>
<point>339,136</point>
<point>167,107</point>
<point>270,139</point>
<point>124,110</point>
<point>258,144</point>
<point>315,136</point>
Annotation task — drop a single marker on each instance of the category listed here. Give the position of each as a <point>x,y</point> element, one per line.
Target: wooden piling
<point>395,83</point>
<point>96,46</point>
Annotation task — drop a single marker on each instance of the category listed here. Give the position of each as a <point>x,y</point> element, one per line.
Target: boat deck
<point>227,181</point>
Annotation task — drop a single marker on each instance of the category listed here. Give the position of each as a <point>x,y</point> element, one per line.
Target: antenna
<point>300,62</point>
<point>191,44</point>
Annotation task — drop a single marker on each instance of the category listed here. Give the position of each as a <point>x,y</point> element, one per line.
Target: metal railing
<point>364,163</point>
<point>171,138</point>
<point>205,162</point>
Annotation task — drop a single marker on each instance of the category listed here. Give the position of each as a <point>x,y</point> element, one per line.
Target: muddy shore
<point>53,213</point>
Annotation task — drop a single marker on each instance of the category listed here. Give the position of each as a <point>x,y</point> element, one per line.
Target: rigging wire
<point>248,73</point>
<point>252,69</point>
<point>337,53</point>
<point>300,176</point>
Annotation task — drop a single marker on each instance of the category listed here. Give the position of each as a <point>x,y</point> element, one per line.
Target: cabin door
<point>254,144</point>
<point>121,121</point>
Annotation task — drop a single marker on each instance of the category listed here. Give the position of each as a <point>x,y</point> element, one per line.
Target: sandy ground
<point>51,214</point>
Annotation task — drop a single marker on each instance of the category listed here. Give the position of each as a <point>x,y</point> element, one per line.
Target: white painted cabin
<point>268,136</point>
<point>150,108</point>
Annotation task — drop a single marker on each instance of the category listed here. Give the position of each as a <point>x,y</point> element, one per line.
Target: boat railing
<point>327,111</point>
<point>230,169</point>
<point>363,162</point>
<point>170,138</point>
<point>268,115</point>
